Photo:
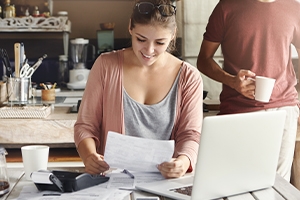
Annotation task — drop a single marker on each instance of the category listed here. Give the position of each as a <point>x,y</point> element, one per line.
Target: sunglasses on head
<point>165,10</point>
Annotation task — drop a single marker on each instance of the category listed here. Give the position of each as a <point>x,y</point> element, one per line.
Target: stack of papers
<point>138,155</point>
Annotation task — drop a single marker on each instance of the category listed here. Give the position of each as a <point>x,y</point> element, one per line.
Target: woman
<point>143,91</point>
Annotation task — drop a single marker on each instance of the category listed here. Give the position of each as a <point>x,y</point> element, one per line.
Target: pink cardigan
<point>101,109</point>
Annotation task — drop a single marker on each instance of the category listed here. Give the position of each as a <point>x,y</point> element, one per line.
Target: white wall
<point>195,14</point>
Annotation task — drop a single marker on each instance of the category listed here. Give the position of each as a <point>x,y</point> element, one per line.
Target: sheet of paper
<point>123,181</point>
<point>147,177</point>
<point>136,154</point>
<point>92,193</point>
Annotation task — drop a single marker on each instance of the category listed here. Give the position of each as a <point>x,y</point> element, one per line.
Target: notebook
<point>238,153</point>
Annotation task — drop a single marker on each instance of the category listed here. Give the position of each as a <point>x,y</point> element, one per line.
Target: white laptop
<point>238,153</point>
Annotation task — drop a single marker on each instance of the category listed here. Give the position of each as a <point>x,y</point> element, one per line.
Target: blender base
<point>76,85</point>
<point>78,79</point>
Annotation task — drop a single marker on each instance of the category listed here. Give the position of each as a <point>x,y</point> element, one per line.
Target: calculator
<point>69,181</point>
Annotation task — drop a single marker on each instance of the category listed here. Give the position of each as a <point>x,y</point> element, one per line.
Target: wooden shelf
<point>30,24</point>
<point>35,24</point>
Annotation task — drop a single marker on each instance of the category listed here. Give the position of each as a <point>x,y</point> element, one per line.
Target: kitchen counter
<point>54,130</point>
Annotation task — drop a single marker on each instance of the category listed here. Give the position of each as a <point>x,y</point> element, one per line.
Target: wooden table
<point>280,191</point>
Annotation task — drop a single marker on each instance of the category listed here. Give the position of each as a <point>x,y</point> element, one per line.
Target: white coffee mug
<point>35,157</point>
<point>263,88</point>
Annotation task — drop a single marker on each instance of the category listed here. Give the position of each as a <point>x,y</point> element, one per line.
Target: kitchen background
<point>85,17</point>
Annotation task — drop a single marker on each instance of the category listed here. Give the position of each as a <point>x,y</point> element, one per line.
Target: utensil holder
<point>18,89</point>
<point>48,95</point>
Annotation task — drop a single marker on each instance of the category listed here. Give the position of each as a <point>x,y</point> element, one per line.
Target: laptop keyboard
<point>184,190</point>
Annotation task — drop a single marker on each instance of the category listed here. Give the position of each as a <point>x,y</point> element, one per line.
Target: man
<point>255,38</point>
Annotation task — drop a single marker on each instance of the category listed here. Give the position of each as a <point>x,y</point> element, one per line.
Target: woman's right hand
<point>95,164</point>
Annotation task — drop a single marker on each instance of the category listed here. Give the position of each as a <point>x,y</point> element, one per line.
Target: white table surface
<point>280,191</point>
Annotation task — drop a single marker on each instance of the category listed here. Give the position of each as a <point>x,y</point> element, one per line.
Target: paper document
<point>121,180</point>
<point>92,193</point>
<point>137,154</point>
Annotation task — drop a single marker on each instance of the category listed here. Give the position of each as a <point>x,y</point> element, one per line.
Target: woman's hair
<point>155,18</point>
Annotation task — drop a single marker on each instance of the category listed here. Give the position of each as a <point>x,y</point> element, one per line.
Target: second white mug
<point>263,88</point>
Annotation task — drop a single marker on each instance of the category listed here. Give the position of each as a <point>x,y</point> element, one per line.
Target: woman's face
<point>150,42</point>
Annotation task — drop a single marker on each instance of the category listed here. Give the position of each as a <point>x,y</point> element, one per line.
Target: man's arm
<point>207,65</point>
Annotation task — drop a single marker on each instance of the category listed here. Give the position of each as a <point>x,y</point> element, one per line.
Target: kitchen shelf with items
<point>35,24</point>
<point>52,24</point>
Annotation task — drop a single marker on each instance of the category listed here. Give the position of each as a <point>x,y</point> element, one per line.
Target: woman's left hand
<point>177,167</point>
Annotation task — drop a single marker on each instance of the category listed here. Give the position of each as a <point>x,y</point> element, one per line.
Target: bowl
<point>107,26</point>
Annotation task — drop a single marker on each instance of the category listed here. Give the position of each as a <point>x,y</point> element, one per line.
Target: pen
<point>51,194</point>
<point>125,171</point>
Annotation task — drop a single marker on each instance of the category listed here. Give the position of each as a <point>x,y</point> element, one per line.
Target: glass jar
<point>4,180</point>
<point>63,71</point>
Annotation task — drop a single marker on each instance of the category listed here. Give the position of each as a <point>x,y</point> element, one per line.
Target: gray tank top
<point>151,121</point>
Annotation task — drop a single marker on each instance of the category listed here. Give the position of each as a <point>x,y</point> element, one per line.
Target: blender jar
<point>79,52</point>
<point>4,181</point>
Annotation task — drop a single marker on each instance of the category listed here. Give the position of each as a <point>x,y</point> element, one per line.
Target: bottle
<point>45,10</point>
<point>0,11</point>
<point>8,10</point>
<point>63,71</point>
<point>36,12</point>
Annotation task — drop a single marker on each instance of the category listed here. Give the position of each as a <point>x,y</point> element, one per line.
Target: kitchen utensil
<point>6,62</point>
<point>4,180</point>
<point>22,54</point>
<point>17,48</point>
<point>26,71</point>
<point>39,62</point>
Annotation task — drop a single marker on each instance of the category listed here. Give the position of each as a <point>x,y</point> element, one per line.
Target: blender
<point>79,74</point>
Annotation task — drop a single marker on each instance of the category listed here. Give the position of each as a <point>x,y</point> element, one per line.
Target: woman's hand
<point>245,84</point>
<point>177,167</point>
<point>95,164</point>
